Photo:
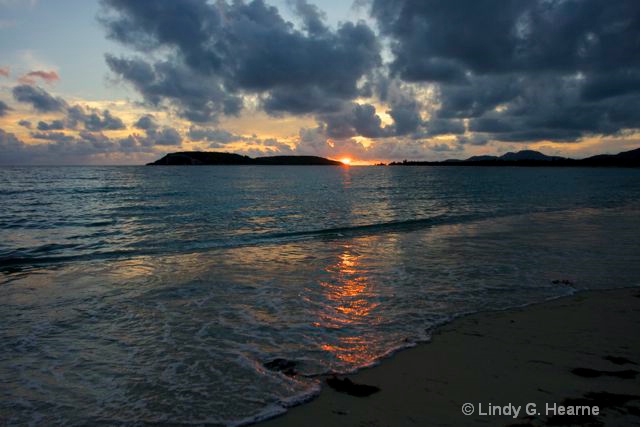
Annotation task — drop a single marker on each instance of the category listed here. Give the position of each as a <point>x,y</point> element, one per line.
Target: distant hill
<point>528,155</point>
<point>626,158</point>
<point>194,158</point>
<point>535,158</point>
<point>476,159</point>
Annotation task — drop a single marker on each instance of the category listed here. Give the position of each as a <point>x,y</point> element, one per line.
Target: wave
<point>21,259</point>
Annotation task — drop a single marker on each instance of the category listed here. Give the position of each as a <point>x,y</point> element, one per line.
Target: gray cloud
<point>93,120</point>
<point>164,136</point>
<point>442,147</point>
<point>219,136</point>
<point>42,101</point>
<point>197,97</point>
<point>352,120</point>
<point>4,108</point>
<point>53,125</point>
<point>39,99</point>
<point>522,71</point>
<point>156,135</point>
<point>53,136</point>
<point>61,148</point>
<point>146,122</point>
<point>222,51</point>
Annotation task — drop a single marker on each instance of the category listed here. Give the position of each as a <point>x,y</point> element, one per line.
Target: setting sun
<point>346,160</point>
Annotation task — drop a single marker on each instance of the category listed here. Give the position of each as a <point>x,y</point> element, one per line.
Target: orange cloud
<point>46,76</point>
<point>4,71</point>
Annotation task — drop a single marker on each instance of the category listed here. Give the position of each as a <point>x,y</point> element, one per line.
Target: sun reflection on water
<point>350,297</point>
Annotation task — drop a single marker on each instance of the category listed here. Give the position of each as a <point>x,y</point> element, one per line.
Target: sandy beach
<point>515,367</point>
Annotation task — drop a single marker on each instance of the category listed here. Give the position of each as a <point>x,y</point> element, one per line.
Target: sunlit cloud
<point>32,76</point>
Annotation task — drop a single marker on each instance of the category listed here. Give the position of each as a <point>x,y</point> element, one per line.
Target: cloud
<point>39,99</point>
<point>53,136</point>
<point>156,135</point>
<point>5,72</point>
<point>12,149</point>
<point>163,136</point>
<point>60,148</point>
<point>520,71</point>
<point>477,140</point>
<point>442,147</point>
<point>25,124</point>
<point>4,108</point>
<point>93,120</point>
<point>53,125</point>
<point>353,120</point>
<point>220,52</point>
<point>146,122</point>
<point>313,18</point>
<point>45,76</point>
<point>217,136</point>
<point>195,97</point>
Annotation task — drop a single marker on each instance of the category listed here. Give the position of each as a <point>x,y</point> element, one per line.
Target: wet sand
<point>580,351</point>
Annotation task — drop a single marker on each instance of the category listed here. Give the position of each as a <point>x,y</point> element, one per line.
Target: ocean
<point>133,295</point>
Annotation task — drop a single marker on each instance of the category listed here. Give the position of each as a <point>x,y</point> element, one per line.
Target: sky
<point>126,81</point>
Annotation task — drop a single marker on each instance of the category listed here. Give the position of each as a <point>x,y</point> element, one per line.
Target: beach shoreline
<point>514,367</point>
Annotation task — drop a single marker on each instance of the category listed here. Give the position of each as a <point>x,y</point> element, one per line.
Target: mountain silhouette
<point>535,158</point>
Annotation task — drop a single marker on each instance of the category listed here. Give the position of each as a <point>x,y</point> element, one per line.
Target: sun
<point>346,160</point>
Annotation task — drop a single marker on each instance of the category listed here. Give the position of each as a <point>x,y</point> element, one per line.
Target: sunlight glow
<point>346,160</point>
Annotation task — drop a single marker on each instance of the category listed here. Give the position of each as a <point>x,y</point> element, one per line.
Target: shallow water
<point>138,294</point>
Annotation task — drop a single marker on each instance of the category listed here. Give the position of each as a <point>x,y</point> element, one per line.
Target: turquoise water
<point>152,294</point>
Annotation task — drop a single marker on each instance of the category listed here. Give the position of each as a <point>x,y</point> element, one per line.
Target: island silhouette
<point>194,158</point>
<point>535,158</point>
<point>521,158</point>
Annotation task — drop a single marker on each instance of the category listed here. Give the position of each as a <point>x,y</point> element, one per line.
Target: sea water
<point>158,294</point>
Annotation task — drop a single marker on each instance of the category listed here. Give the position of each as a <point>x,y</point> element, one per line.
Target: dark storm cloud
<point>353,120</point>
<point>39,98</point>
<point>197,97</point>
<point>435,127</point>
<point>406,115</point>
<point>362,120</point>
<point>497,36</point>
<point>222,51</point>
<point>522,70</point>
<point>312,17</point>
<point>4,108</point>
<point>607,85</point>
